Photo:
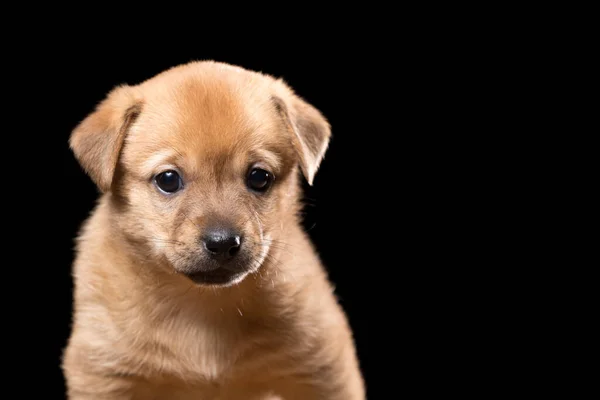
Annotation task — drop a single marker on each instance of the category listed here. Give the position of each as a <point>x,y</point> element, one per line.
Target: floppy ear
<point>310,132</point>
<point>97,140</point>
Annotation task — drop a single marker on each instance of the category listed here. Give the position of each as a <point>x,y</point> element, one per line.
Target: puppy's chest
<point>211,351</point>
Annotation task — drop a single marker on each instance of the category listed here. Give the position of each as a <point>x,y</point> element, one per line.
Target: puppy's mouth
<point>218,277</point>
<point>214,272</point>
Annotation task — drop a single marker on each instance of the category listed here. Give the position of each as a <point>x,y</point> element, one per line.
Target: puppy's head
<point>200,165</point>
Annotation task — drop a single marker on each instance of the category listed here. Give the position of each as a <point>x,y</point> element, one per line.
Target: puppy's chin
<point>218,277</point>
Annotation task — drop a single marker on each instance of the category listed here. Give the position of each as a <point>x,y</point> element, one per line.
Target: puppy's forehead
<point>195,120</point>
<point>207,113</point>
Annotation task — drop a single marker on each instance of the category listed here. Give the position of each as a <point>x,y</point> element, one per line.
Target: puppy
<point>193,277</point>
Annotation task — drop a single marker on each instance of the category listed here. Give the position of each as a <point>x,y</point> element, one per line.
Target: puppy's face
<point>201,162</point>
<point>206,173</point>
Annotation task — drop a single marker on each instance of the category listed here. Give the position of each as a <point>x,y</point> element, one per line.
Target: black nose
<point>222,244</point>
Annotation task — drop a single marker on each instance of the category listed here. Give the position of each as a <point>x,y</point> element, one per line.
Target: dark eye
<point>259,179</point>
<point>168,181</point>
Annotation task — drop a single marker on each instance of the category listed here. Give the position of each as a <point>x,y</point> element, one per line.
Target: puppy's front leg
<point>94,387</point>
<point>321,391</point>
<point>76,396</point>
<point>347,386</point>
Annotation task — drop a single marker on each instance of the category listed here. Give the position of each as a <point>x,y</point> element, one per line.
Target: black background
<point>375,213</point>
<point>421,211</point>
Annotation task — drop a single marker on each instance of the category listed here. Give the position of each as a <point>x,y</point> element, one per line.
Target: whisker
<point>189,219</point>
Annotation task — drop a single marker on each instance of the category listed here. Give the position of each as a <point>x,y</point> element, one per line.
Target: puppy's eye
<point>168,181</point>
<point>259,179</point>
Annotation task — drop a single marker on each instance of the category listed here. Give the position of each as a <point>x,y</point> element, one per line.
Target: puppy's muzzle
<point>222,244</point>
<point>223,258</point>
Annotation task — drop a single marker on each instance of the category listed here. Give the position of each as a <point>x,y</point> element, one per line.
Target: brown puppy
<point>193,278</point>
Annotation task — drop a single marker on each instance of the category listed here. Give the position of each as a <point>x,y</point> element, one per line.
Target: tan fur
<point>141,328</point>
